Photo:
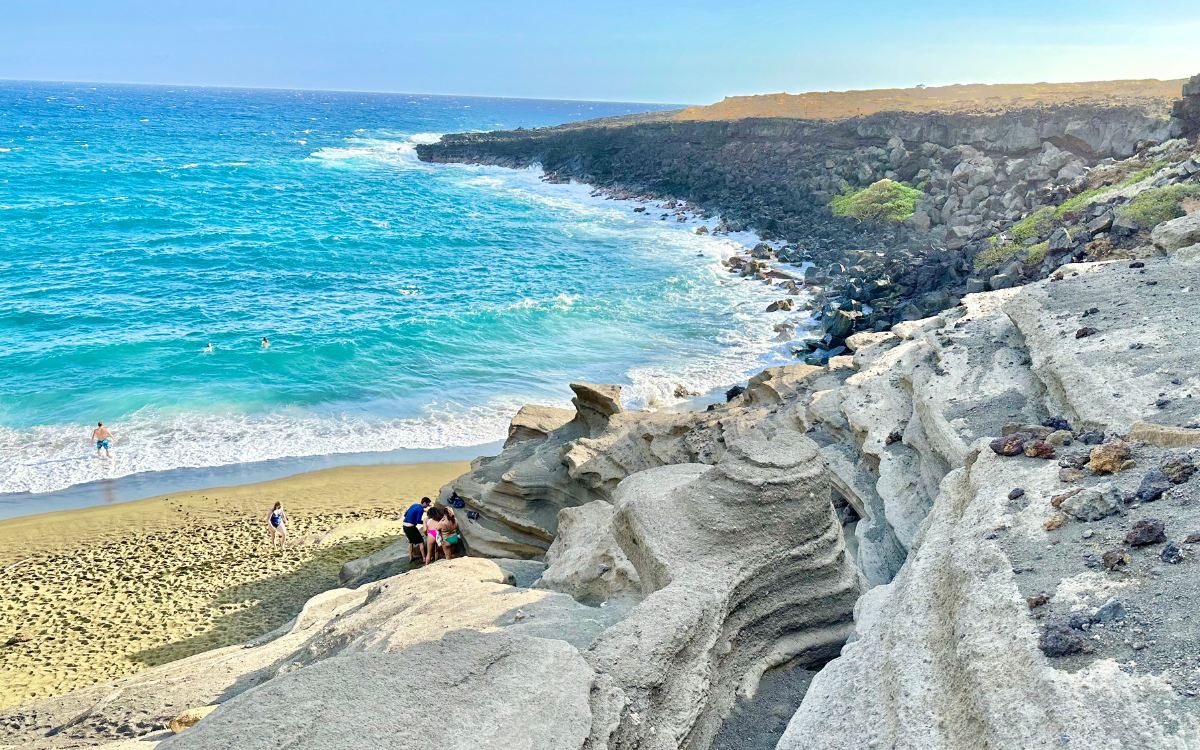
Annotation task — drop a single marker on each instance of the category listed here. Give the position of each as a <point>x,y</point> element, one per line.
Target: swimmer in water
<point>103,439</point>
<point>208,349</point>
<point>265,343</point>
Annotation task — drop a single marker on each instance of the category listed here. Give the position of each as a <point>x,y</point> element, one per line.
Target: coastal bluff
<point>983,187</point>
<point>978,529</point>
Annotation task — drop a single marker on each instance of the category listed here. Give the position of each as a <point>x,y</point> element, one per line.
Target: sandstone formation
<point>1007,600</point>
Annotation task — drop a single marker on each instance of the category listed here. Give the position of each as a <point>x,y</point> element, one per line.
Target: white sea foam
<point>48,458</point>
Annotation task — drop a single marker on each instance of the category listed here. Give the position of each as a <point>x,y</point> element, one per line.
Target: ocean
<point>406,305</point>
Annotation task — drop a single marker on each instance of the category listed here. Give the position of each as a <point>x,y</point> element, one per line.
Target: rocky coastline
<point>969,518</point>
<point>996,189</point>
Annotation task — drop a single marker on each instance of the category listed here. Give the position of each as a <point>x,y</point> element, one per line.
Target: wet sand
<point>98,593</point>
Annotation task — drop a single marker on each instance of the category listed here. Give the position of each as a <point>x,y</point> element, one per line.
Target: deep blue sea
<point>407,305</point>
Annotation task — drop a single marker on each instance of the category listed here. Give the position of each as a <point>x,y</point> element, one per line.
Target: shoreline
<point>146,485</point>
<point>684,217</point>
<point>97,593</point>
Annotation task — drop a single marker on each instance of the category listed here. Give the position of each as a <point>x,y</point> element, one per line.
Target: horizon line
<point>676,105</point>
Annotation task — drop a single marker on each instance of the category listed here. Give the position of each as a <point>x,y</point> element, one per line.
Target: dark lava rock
<point>1172,553</point>
<point>1146,531</point>
<point>1057,423</point>
<point>1012,445</point>
<point>1091,437</point>
<point>1039,449</point>
<point>893,437</point>
<point>1137,264</point>
<point>1178,469</point>
<point>1114,558</point>
<point>1154,484</point>
<point>734,392</point>
<point>1192,538</point>
<point>1075,461</point>
<point>1091,561</point>
<point>1038,600</point>
<point>1163,403</point>
<point>1084,332</point>
<point>1112,610</point>
<point>1016,493</point>
<point>1079,621</point>
<point>1060,639</point>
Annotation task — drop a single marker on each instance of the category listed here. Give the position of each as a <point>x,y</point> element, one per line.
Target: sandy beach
<point>98,593</point>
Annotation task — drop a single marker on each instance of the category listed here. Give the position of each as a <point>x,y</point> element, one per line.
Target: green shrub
<point>1037,253</point>
<point>995,255</point>
<point>1156,206</point>
<point>1036,224</point>
<point>884,201</point>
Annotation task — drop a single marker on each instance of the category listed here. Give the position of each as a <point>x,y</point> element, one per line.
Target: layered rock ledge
<point>980,528</point>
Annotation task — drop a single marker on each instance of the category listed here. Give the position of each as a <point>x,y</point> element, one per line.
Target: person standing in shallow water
<point>278,522</point>
<point>265,343</point>
<point>103,439</point>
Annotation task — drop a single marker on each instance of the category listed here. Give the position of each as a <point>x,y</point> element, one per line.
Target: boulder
<point>585,560</point>
<point>534,422</point>
<point>1092,504</point>
<point>1109,458</point>
<point>1177,233</point>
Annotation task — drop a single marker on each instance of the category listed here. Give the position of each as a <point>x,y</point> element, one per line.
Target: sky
<point>692,52</point>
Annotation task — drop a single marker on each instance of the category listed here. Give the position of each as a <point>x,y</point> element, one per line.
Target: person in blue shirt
<point>412,530</point>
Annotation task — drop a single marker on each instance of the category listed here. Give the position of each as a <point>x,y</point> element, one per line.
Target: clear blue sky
<point>695,51</point>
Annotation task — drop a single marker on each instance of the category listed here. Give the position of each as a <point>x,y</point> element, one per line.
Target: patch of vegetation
<point>1156,206</point>
<point>885,201</point>
<point>1037,253</point>
<point>1036,224</point>
<point>1142,174</point>
<point>995,255</point>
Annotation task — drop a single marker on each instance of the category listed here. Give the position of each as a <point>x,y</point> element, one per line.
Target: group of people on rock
<point>431,531</point>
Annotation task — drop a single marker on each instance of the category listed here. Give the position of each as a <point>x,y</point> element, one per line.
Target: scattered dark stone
<point>1084,332</point>
<point>1057,423</point>
<point>1016,493</point>
<point>1172,553</point>
<point>1060,639</point>
<point>1114,558</point>
<point>1146,531</point>
<point>1137,264</point>
<point>1178,469</point>
<point>1153,485</point>
<point>1192,538</point>
<point>1091,311</point>
<point>1079,621</point>
<point>1092,561</point>
<point>1151,283</point>
<point>1091,437</point>
<point>1039,449</point>
<point>1074,460</point>
<point>734,392</point>
<point>1137,346</point>
<point>894,437</point>
<point>1162,403</point>
<point>1112,610</point>
<point>1012,445</point>
<point>1038,600</point>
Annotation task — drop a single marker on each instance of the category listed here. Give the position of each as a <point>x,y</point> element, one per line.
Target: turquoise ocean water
<point>407,305</point>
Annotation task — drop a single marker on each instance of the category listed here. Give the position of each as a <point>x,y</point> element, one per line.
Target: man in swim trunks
<point>411,526</point>
<point>103,439</point>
